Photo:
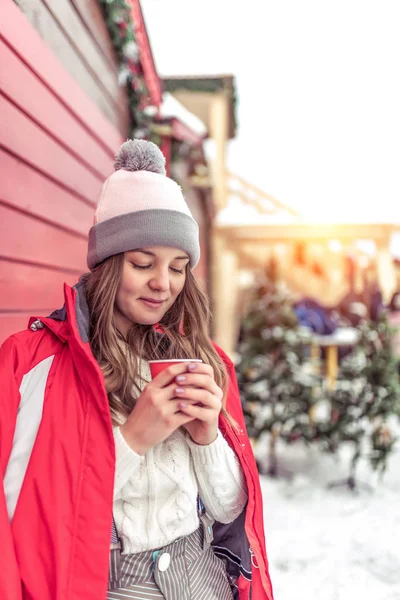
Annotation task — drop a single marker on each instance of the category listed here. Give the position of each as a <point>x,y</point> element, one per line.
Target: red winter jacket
<point>57,546</point>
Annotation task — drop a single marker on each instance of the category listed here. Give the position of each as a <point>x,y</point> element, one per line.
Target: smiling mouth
<point>152,302</point>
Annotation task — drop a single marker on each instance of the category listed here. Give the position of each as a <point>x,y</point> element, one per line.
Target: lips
<point>152,302</point>
<point>155,300</point>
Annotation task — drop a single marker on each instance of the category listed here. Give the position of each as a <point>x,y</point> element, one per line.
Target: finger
<point>178,416</point>
<point>165,395</point>
<point>174,408</point>
<point>200,368</point>
<point>197,412</point>
<point>201,396</point>
<point>168,374</point>
<point>200,381</point>
<point>182,419</point>
<point>169,393</point>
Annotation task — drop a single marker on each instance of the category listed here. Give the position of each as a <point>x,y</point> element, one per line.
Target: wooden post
<point>386,273</point>
<point>224,293</point>
<point>224,262</point>
<point>331,365</point>
<point>219,130</point>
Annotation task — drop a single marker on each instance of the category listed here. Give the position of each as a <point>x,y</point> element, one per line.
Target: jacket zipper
<point>253,558</point>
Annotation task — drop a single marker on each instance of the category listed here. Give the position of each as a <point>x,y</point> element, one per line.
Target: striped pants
<point>182,570</point>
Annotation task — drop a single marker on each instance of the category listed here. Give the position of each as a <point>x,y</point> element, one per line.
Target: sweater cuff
<point>127,461</point>
<point>221,482</point>
<point>211,453</point>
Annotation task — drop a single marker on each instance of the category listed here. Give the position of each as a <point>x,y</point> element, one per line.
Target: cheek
<point>127,287</point>
<point>179,283</point>
<point>177,288</point>
<point>119,299</point>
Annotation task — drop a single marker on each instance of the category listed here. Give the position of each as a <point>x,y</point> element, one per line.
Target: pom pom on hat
<point>140,155</point>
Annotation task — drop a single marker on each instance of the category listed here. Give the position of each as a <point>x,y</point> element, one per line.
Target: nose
<point>160,280</point>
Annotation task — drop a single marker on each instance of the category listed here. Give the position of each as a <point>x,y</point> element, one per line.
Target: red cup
<point>156,366</point>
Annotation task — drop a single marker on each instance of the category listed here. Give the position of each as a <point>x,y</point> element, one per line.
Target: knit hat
<point>140,206</point>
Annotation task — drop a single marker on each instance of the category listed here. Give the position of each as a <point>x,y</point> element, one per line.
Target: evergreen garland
<point>117,16</point>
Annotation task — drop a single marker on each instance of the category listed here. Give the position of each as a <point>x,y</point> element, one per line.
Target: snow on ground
<point>332,544</point>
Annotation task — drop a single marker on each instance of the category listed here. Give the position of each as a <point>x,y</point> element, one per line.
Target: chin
<point>147,319</point>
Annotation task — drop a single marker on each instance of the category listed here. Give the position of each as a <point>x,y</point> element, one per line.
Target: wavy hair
<point>185,334</point>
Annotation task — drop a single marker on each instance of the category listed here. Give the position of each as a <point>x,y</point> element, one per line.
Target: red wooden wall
<point>77,34</point>
<point>56,148</point>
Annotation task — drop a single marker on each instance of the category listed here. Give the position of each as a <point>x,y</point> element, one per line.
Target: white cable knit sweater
<point>155,496</point>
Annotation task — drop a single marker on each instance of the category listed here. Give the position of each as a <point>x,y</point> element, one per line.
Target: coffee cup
<point>156,366</point>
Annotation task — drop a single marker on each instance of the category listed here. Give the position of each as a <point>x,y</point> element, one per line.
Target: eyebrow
<point>185,257</point>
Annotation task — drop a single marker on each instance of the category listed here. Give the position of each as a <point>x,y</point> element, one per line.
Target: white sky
<point>319,94</point>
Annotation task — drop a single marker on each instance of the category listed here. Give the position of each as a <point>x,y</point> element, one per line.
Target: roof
<point>152,79</point>
<point>172,108</point>
<point>207,84</point>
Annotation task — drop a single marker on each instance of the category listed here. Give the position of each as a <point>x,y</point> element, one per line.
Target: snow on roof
<point>172,108</point>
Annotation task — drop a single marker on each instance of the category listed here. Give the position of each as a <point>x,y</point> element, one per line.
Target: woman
<point>161,500</point>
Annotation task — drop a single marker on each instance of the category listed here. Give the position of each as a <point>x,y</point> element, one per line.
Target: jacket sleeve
<point>262,587</point>
<point>233,405</point>
<point>11,373</point>
<point>10,377</point>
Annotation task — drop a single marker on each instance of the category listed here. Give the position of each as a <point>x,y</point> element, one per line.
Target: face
<point>152,278</point>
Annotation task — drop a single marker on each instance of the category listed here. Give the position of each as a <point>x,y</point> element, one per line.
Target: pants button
<point>164,561</point>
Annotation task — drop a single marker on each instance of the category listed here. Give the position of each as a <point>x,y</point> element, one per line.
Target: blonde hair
<point>185,327</point>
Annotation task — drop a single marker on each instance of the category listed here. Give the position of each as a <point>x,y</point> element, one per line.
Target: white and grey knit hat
<point>140,206</point>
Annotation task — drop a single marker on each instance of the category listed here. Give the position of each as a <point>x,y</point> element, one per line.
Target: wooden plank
<point>261,234</point>
<point>68,21</point>
<point>31,287</point>
<point>25,139</point>
<point>91,16</point>
<point>16,30</point>
<point>54,37</point>
<point>25,90</point>
<point>24,238</point>
<point>29,191</point>
<point>92,19</point>
<point>13,323</point>
<point>246,190</point>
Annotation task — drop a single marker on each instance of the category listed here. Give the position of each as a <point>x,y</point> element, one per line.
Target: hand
<point>202,401</point>
<point>156,413</point>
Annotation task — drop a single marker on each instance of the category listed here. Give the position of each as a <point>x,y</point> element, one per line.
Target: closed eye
<point>181,271</point>
<point>145,267</point>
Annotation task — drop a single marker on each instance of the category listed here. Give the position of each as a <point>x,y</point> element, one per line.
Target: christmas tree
<point>365,398</point>
<point>284,394</point>
<point>276,378</point>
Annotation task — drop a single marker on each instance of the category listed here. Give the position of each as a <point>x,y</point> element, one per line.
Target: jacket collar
<point>77,293</point>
